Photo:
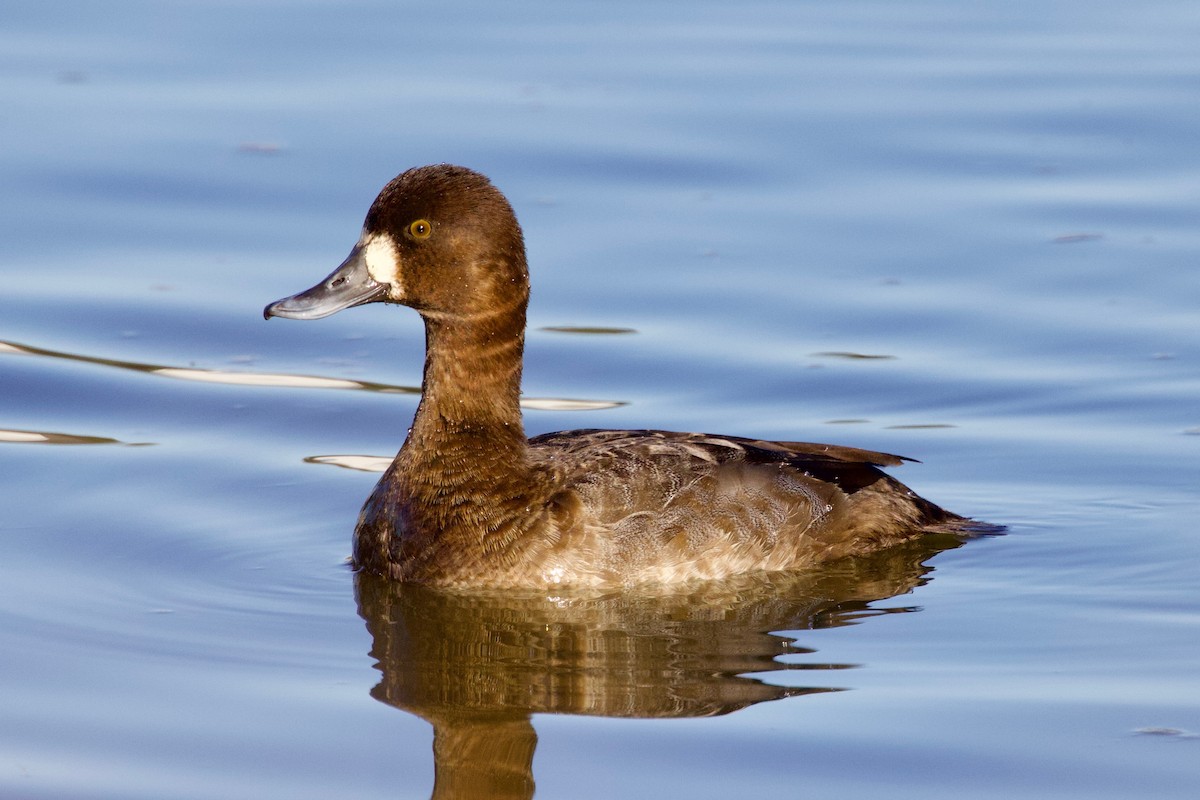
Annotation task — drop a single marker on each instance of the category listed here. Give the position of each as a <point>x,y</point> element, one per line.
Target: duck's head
<point>440,239</point>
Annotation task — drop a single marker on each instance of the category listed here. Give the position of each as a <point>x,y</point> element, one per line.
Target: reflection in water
<point>595,330</point>
<point>357,463</point>
<point>478,665</point>
<point>238,378</point>
<point>275,379</point>
<point>49,437</point>
<point>920,426</point>
<point>567,404</point>
<point>849,356</point>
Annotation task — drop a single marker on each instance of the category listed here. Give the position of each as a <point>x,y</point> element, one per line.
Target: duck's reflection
<point>478,665</point>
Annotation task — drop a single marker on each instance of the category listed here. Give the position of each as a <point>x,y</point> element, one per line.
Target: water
<point>998,200</point>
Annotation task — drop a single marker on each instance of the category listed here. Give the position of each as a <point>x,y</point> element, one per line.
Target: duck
<point>469,501</point>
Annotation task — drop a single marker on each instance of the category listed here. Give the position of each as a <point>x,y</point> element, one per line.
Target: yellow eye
<point>420,229</point>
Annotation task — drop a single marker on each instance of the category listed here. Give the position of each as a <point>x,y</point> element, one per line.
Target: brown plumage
<point>469,501</point>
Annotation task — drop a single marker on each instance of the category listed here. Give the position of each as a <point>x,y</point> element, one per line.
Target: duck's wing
<point>849,468</point>
<point>826,452</point>
<point>668,504</point>
<point>649,470</point>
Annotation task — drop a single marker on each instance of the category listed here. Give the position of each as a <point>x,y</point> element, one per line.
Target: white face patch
<point>383,265</point>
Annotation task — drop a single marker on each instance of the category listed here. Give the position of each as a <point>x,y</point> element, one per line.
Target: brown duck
<point>469,501</point>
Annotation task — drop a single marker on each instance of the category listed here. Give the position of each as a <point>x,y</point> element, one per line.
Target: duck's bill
<point>348,285</point>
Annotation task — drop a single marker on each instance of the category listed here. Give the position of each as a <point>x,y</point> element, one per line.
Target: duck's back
<point>660,506</point>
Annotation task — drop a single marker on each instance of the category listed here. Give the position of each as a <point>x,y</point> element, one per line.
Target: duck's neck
<point>470,413</point>
<point>464,471</point>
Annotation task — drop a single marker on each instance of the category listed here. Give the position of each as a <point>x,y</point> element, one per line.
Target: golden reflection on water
<point>478,665</point>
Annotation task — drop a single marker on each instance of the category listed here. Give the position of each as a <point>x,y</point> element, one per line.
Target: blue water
<point>998,201</point>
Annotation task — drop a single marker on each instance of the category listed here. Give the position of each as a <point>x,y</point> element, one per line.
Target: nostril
<point>336,282</point>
